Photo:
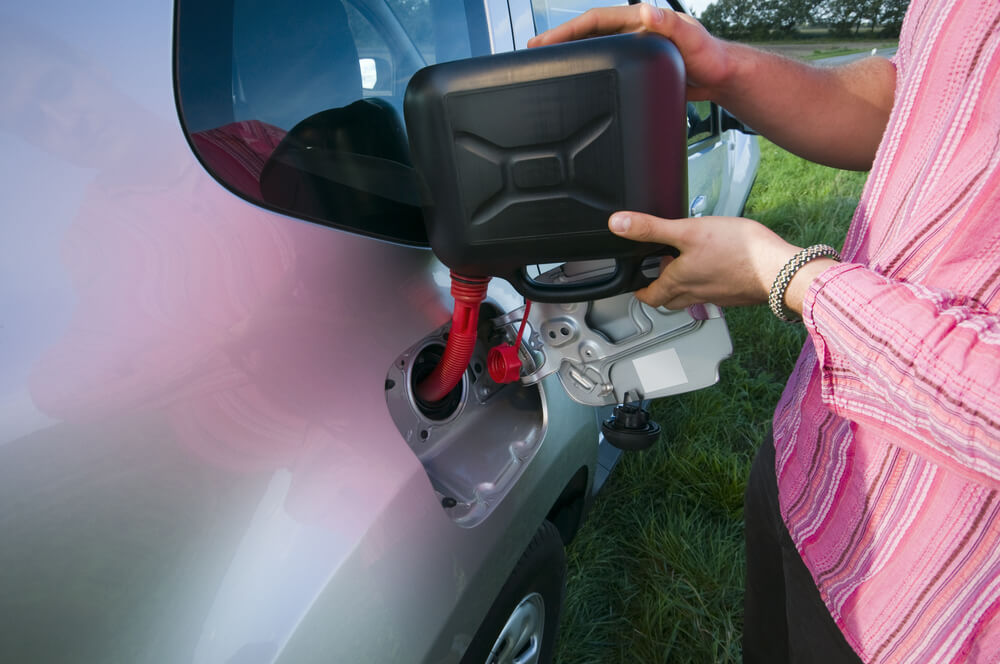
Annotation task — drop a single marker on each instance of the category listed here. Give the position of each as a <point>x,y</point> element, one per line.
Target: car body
<point>207,451</point>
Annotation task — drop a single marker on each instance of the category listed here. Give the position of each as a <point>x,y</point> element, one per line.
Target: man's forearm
<point>833,116</point>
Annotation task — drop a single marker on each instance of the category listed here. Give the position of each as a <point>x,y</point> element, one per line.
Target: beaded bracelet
<point>776,296</point>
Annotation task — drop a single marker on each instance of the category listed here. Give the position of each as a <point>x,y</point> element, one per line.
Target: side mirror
<point>729,121</point>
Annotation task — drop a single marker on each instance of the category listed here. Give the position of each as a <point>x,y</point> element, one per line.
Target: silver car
<point>209,446</point>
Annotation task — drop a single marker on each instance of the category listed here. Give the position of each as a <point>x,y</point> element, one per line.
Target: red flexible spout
<point>469,293</point>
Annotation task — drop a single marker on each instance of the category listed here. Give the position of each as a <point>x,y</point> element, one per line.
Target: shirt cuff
<point>820,318</point>
<point>818,291</point>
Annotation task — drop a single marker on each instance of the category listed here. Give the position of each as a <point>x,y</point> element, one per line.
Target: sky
<point>698,6</point>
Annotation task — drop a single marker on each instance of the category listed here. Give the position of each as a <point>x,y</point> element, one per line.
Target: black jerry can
<point>523,156</point>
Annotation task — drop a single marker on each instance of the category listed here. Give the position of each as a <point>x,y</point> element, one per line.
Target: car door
<point>708,153</point>
<point>722,156</point>
<point>604,352</point>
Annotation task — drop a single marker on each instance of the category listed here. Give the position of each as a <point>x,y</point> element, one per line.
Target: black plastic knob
<point>630,428</point>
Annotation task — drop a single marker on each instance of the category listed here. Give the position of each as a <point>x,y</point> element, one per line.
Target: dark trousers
<point>784,618</point>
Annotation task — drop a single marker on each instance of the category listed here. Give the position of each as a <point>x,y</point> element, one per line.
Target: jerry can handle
<point>628,276</point>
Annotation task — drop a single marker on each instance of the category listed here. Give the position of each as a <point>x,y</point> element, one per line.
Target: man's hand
<point>723,260</point>
<point>706,58</point>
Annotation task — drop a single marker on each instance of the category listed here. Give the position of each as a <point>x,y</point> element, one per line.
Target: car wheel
<point>521,626</point>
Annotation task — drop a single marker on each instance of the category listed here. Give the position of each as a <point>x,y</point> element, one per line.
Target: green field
<point>656,574</point>
<point>817,49</point>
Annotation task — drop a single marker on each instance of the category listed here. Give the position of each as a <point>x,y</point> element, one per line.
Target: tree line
<point>771,19</point>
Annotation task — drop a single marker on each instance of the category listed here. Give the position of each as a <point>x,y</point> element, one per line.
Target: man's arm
<point>833,116</point>
<point>910,359</point>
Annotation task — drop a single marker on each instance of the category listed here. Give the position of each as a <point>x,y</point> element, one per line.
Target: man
<point>873,521</point>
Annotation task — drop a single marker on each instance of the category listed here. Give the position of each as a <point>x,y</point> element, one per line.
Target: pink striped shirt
<point>888,433</point>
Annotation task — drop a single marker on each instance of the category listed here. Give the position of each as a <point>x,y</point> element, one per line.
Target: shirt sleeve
<point>918,366</point>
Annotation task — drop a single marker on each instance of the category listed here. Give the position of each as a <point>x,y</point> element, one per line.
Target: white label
<point>659,371</point>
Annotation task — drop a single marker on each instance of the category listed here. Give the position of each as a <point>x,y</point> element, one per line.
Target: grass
<point>656,573</point>
<point>819,54</point>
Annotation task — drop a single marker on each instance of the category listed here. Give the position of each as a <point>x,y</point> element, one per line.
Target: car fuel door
<point>605,349</point>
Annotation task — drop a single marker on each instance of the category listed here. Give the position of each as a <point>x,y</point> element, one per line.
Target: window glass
<point>550,13</point>
<point>415,17</point>
<point>438,35</point>
<point>297,105</point>
<point>375,60</point>
<point>701,122</point>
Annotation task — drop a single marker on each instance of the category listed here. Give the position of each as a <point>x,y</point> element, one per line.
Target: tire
<point>522,625</point>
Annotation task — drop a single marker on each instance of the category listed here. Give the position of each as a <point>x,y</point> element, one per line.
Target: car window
<point>298,105</point>
<point>701,121</point>
<point>373,55</point>
<point>550,13</point>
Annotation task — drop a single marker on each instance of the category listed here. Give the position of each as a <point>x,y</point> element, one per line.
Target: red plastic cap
<point>503,364</point>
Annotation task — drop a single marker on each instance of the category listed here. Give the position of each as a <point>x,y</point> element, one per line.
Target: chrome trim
<point>523,21</point>
<point>498,26</point>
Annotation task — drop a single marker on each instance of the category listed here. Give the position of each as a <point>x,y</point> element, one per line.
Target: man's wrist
<point>739,65</point>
